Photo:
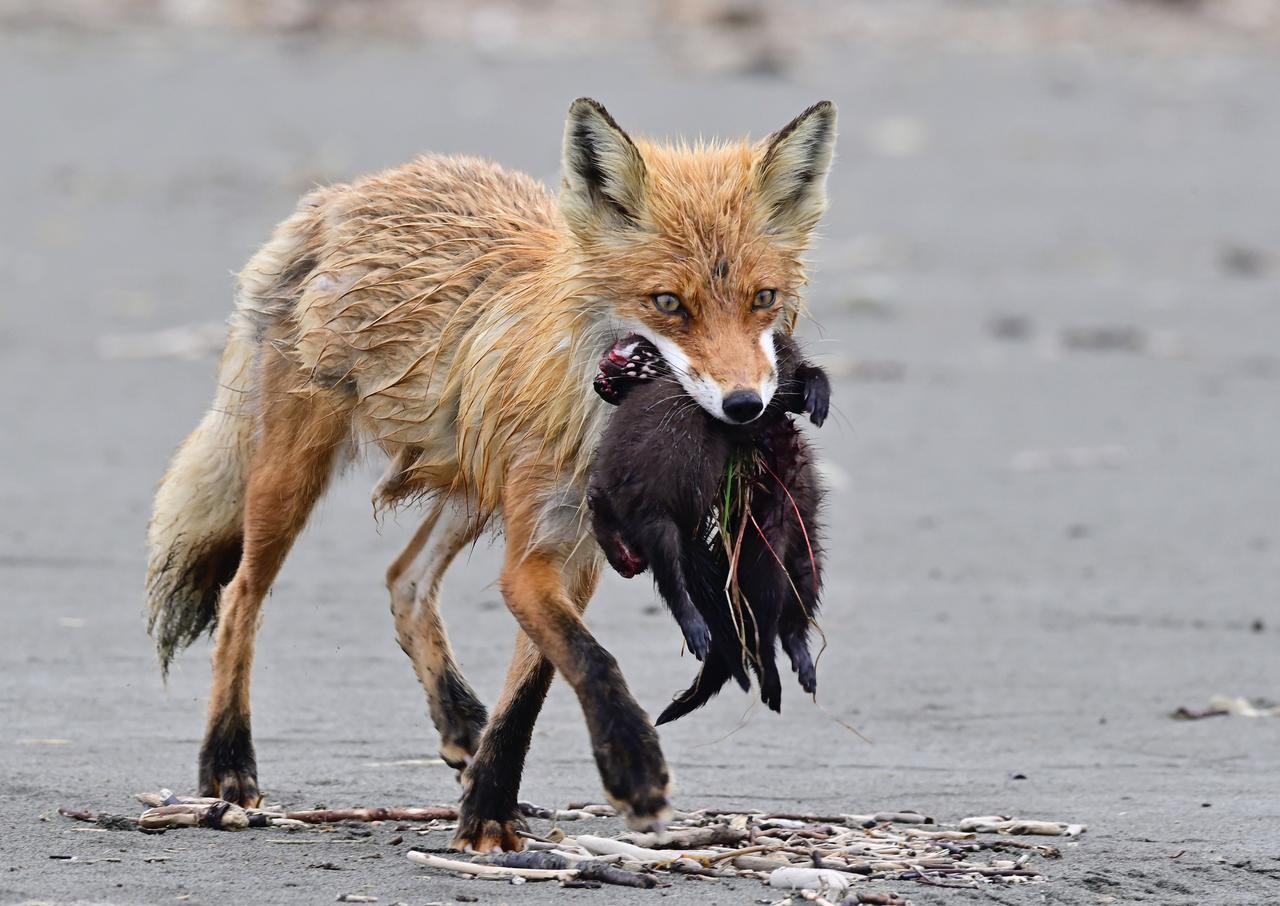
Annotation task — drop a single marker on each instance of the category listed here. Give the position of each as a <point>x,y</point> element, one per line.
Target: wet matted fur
<point>448,314</point>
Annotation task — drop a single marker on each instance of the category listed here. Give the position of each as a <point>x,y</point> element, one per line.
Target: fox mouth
<point>643,354</point>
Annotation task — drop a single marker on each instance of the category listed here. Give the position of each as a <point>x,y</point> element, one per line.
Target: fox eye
<point>668,303</point>
<point>765,299</point>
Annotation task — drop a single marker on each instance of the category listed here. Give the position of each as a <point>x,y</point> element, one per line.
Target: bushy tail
<point>194,539</point>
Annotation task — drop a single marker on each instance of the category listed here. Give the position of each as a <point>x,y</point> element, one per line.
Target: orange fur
<point>451,314</point>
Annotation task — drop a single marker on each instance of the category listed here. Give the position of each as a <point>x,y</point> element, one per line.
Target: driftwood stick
<point>78,815</point>
<point>334,815</point>
<point>603,846</point>
<point>587,869</point>
<point>490,871</point>
<point>104,820</point>
<point>999,824</point>
<point>167,797</point>
<point>696,868</point>
<point>759,863</point>
<point>873,899</point>
<point>691,837</point>
<point>219,816</point>
<point>779,847</point>
<point>766,816</point>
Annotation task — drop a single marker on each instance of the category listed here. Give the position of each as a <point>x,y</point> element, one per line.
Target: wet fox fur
<point>656,490</point>
<point>450,314</point>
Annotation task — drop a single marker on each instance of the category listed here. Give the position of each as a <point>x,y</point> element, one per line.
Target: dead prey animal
<point>725,516</point>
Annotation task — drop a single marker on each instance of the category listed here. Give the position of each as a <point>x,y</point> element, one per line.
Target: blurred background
<point>1049,290</point>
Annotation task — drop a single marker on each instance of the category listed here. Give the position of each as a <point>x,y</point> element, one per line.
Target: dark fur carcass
<point>725,516</point>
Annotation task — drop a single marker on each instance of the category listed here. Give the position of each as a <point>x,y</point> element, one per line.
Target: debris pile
<point>824,859</point>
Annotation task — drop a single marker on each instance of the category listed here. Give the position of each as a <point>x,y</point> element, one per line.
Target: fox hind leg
<point>299,440</point>
<point>414,581</point>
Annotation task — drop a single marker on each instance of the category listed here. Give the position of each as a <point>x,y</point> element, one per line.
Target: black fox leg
<point>626,747</point>
<point>546,595</point>
<point>490,815</point>
<point>414,582</point>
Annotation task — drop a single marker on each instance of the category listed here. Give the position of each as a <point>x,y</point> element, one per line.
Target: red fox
<point>450,314</point>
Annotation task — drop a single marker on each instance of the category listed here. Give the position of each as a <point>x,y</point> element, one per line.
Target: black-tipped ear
<point>791,170</point>
<point>604,174</point>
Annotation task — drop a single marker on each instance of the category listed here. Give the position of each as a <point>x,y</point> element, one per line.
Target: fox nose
<point>743,405</point>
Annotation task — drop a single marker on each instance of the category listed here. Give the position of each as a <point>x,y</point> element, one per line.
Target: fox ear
<point>604,174</point>
<point>791,170</point>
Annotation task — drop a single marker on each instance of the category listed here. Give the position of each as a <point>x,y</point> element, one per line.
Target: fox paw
<point>228,769</point>
<point>237,787</point>
<point>488,836</point>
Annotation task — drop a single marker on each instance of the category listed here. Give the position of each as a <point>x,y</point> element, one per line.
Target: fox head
<point>699,249</point>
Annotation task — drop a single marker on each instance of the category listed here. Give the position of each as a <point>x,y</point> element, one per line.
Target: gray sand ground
<point>993,609</point>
